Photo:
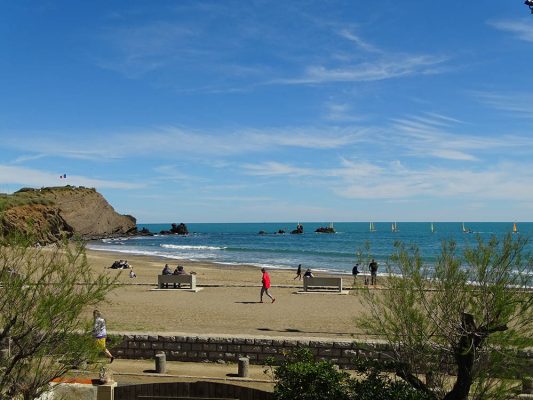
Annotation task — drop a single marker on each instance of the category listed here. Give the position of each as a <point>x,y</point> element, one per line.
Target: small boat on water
<point>394,227</point>
<point>432,228</point>
<point>466,230</point>
<point>372,228</point>
<point>515,229</point>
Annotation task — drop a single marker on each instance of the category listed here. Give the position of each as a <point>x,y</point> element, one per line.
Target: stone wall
<point>199,348</point>
<point>229,349</point>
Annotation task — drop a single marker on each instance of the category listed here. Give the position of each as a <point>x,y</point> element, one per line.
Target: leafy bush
<point>299,377</point>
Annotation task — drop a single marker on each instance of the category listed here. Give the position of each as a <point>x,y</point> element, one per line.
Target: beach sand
<point>228,305</point>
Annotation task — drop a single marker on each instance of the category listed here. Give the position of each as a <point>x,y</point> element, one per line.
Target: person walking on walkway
<point>266,286</point>
<point>100,334</point>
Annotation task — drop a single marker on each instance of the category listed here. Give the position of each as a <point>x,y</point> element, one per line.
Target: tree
<point>43,294</point>
<point>466,316</point>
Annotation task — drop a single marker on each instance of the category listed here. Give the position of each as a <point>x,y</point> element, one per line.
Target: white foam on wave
<point>186,247</point>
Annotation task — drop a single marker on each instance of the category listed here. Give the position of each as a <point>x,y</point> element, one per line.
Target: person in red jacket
<point>266,286</point>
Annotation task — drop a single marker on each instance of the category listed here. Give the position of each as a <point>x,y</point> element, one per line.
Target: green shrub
<point>300,377</point>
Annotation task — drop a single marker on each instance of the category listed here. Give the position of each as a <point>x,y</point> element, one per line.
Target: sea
<point>242,243</point>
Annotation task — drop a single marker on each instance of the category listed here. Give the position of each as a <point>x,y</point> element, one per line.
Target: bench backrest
<point>185,278</point>
<point>322,281</point>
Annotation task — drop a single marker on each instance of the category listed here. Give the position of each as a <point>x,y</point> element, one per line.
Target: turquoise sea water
<point>240,243</point>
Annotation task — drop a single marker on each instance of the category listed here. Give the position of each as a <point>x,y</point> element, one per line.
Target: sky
<point>267,111</point>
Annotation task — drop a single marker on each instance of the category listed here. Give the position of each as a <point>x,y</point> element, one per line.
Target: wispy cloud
<point>517,104</point>
<point>359,42</point>
<point>40,178</point>
<point>522,29</point>
<point>166,141</point>
<point>273,168</point>
<point>382,69</point>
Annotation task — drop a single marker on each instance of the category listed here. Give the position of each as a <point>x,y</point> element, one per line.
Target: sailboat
<point>394,227</point>
<point>372,228</point>
<point>466,230</point>
<point>432,228</point>
<point>515,229</point>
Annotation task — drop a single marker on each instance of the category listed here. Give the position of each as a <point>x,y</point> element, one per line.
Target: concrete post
<point>244,364</point>
<point>161,363</point>
<point>106,392</point>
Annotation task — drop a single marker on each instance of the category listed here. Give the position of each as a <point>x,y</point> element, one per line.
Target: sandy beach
<point>228,304</point>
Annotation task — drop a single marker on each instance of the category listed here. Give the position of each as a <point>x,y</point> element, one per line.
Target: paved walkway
<point>127,372</point>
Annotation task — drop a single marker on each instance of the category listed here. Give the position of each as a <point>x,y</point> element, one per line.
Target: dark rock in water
<point>180,229</point>
<point>144,232</point>
<point>325,229</point>
<point>176,229</point>
<point>262,233</point>
<point>299,230</point>
<point>281,232</point>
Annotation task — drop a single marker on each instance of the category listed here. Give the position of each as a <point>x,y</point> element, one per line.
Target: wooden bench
<point>185,279</point>
<point>322,283</point>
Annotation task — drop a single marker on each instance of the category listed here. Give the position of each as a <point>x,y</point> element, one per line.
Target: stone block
<point>215,355</point>
<point>209,347</point>
<point>133,345</point>
<point>290,343</point>
<point>153,338</point>
<point>167,338</point>
<point>141,338</point>
<point>222,347</point>
<point>197,346</point>
<point>329,352</point>
<point>157,345</point>
<point>263,342</point>
<point>319,343</point>
<point>270,350</point>
<point>239,341</point>
<point>234,347</point>
<point>145,345</point>
<point>172,346</point>
<point>350,353</point>
<point>202,339</point>
<point>250,349</point>
<point>342,345</point>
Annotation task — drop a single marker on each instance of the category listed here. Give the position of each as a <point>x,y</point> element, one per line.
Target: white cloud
<point>39,178</point>
<point>362,44</point>
<point>273,168</point>
<point>517,104</point>
<point>393,67</point>
<point>522,29</point>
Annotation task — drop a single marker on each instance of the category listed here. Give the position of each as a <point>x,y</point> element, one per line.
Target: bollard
<point>161,363</point>
<point>244,363</point>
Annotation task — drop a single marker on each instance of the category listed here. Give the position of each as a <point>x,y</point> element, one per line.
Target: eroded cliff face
<point>66,211</point>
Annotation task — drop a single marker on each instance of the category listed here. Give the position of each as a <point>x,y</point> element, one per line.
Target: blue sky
<point>236,111</point>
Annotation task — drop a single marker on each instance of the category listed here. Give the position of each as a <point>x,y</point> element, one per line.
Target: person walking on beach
<point>266,285</point>
<point>373,267</point>
<point>100,334</point>
<point>299,272</point>
<point>355,272</point>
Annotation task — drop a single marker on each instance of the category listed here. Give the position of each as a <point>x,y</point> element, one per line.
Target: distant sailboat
<point>394,227</point>
<point>515,229</point>
<point>432,228</point>
<point>372,228</point>
<point>466,230</point>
